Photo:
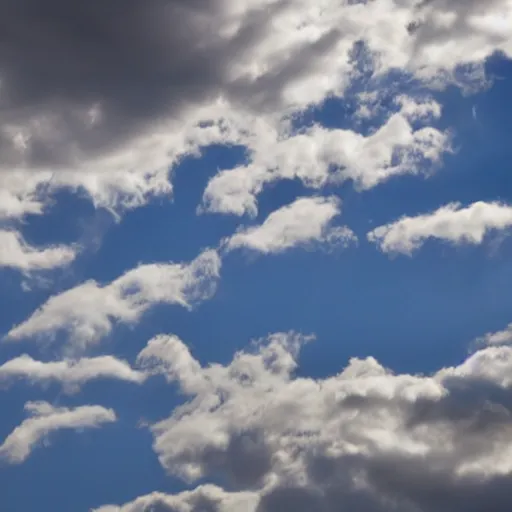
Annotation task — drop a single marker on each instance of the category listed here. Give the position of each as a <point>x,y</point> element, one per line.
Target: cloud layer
<point>104,99</point>
<point>167,56</point>
<point>119,103</point>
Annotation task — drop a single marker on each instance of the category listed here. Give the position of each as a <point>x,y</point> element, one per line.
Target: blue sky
<point>408,294</point>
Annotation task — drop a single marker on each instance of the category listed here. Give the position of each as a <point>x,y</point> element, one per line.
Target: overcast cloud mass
<point>150,150</point>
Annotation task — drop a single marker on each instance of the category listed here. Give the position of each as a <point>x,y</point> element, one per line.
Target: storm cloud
<point>81,78</point>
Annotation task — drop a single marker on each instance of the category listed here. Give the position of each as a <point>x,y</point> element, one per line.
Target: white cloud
<point>503,337</point>
<point>18,254</point>
<point>87,312</point>
<point>299,444</point>
<point>46,419</point>
<point>306,444</point>
<point>19,195</point>
<point>169,356</point>
<point>318,156</point>
<point>453,223</point>
<point>70,373</point>
<point>446,36</point>
<point>492,364</point>
<point>201,499</point>
<point>125,179</point>
<point>305,221</point>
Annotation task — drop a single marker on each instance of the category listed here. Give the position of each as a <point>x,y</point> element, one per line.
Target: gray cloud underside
<point>82,79</point>
<point>87,77</point>
<point>365,439</point>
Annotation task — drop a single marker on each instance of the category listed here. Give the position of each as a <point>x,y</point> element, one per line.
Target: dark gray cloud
<point>135,62</point>
<point>245,461</point>
<point>426,488</point>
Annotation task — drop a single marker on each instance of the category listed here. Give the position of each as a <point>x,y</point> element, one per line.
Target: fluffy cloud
<point>87,312</point>
<point>318,156</point>
<point>493,364</point>
<point>70,373</point>
<point>18,254</point>
<point>304,221</point>
<point>452,223</point>
<point>121,181</point>
<point>151,81</point>
<point>502,337</point>
<point>207,498</point>
<point>130,89</point>
<point>364,439</point>
<point>46,419</point>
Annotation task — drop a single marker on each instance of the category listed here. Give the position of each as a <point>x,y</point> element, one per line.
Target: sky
<point>255,256</point>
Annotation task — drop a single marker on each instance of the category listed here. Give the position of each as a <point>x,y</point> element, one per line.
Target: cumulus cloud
<point>318,156</point>
<point>364,439</point>
<point>46,419</point>
<point>16,253</point>
<point>129,98</point>
<point>88,311</point>
<point>493,364</point>
<point>453,223</point>
<point>307,220</point>
<point>122,181</point>
<point>503,337</point>
<point>207,498</point>
<point>70,373</point>
<point>129,89</point>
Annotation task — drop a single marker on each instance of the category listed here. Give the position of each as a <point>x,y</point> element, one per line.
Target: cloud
<point>318,156</point>
<point>19,195</point>
<point>307,220</point>
<point>122,181</point>
<point>167,355</point>
<point>89,311</point>
<point>140,73</point>
<point>503,337</point>
<point>46,419</point>
<point>132,87</point>
<point>152,80</point>
<point>364,439</point>
<point>167,57</point>
<point>18,254</point>
<point>70,373</point>
<point>207,498</point>
<point>453,223</point>
<point>493,364</point>
<point>442,31</point>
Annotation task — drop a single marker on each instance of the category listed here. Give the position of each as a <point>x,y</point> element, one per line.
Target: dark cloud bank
<point>86,77</point>
<point>135,61</point>
<point>82,78</point>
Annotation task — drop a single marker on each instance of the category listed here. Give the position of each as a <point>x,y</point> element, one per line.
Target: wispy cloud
<point>46,419</point>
